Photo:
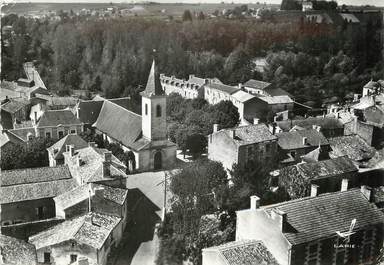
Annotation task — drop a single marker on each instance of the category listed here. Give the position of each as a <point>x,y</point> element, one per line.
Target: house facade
<point>297,232</point>
<point>190,89</point>
<point>242,145</point>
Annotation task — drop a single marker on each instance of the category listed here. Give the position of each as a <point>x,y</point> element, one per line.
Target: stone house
<point>295,144</point>
<point>86,237</point>
<point>27,194</point>
<point>14,111</point>
<point>190,89</point>
<point>216,92</point>
<point>308,230</point>
<point>327,176</point>
<point>58,123</point>
<point>143,136</point>
<point>55,152</point>
<point>241,145</point>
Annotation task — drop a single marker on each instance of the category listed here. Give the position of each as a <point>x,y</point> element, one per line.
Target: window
<point>158,111</point>
<point>30,137</point>
<point>73,131</point>
<point>146,109</point>
<point>6,223</point>
<point>48,134</point>
<point>47,257</point>
<point>73,258</point>
<point>40,212</point>
<point>340,258</point>
<point>60,134</point>
<point>267,148</point>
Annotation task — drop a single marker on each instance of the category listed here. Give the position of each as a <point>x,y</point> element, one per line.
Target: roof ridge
<point>120,107</point>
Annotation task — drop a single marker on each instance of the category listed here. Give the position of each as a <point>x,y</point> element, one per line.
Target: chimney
<point>191,76</point>
<point>92,144</point>
<point>107,164</point>
<point>88,218</point>
<point>232,133</point>
<point>280,217</point>
<point>255,202</point>
<point>215,127</point>
<point>240,85</point>
<point>305,141</point>
<point>256,121</point>
<point>70,149</point>
<point>344,185</point>
<point>314,190</point>
<point>367,192</point>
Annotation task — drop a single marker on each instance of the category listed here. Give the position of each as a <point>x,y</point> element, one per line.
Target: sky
<point>340,2</point>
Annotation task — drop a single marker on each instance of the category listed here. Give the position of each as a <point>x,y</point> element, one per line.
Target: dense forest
<point>314,62</point>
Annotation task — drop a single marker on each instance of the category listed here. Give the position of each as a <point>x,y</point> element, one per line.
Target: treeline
<point>114,56</point>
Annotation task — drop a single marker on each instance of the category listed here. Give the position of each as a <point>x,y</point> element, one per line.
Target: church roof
<point>153,87</point>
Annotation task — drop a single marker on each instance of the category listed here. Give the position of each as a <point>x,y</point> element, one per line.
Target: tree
<point>187,16</point>
<point>225,114</point>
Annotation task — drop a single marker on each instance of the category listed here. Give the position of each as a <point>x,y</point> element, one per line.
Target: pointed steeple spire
<point>153,87</point>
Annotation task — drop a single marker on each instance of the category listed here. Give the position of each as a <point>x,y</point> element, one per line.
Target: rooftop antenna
<point>346,235</point>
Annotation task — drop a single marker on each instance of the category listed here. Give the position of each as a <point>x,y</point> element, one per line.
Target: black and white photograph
<point>192,132</point>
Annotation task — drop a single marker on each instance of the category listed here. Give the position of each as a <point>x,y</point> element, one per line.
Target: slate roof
<point>58,117</point>
<point>120,124</point>
<point>72,197</point>
<point>242,96</point>
<point>312,218</point>
<point>350,18</point>
<point>284,99</point>
<point>224,88</point>
<point>14,105</point>
<point>89,110</point>
<point>22,133</point>
<point>250,134</point>
<point>245,252</point>
<point>34,175</point>
<point>153,87</point>
<point>257,84</point>
<point>58,148</point>
<point>294,139</point>
<point>16,251</point>
<point>196,80</point>
<point>351,146</point>
<point>91,229</point>
<point>327,168</point>
<point>62,101</point>
<point>326,123</point>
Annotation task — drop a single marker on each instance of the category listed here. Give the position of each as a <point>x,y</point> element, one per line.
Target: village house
<point>16,251</point>
<point>238,252</point>
<point>242,145</point>
<point>92,164</point>
<point>328,126</point>
<point>58,123</point>
<point>295,144</point>
<point>329,175</point>
<point>21,136</point>
<point>55,152</point>
<point>373,88</point>
<point>190,89</point>
<point>143,136</point>
<point>261,88</point>
<point>310,230</point>
<point>14,111</point>
<point>89,237</point>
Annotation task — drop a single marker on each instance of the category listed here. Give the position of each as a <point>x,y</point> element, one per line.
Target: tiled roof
<point>327,123</point>
<point>89,110</point>
<point>22,133</point>
<point>35,191</point>
<point>365,102</point>
<point>196,80</point>
<point>16,251</point>
<point>14,105</point>
<point>250,134</point>
<point>114,194</point>
<point>153,86</point>
<point>257,84</point>
<point>276,99</point>
<point>62,101</point>
<point>294,140</point>
<point>352,146</point>
<point>34,175</point>
<point>120,124</point>
<point>58,148</point>
<point>91,229</point>
<point>277,92</point>
<point>312,218</point>
<point>224,88</point>
<point>326,168</point>
<point>57,117</point>
<point>72,197</point>
<point>245,252</point>
<point>242,96</point>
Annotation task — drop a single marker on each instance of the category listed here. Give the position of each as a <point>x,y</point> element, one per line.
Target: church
<point>143,136</point>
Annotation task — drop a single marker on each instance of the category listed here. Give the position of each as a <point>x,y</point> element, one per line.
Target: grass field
<point>168,9</point>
